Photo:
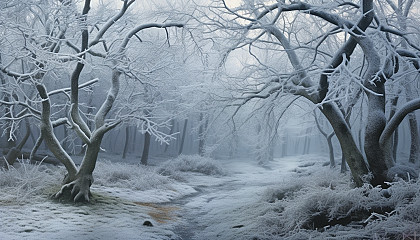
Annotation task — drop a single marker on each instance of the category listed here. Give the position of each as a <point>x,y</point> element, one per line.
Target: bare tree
<point>402,10</point>
<point>54,52</point>
<point>328,137</point>
<point>184,134</point>
<point>305,63</point>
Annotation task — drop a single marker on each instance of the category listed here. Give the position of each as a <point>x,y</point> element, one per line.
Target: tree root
<point>79,189</point>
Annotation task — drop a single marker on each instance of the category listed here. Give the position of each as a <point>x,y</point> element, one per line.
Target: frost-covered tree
<point>328,137</point>
<point>324,52</point>
<point>59,44</point>
<point>398,14</point>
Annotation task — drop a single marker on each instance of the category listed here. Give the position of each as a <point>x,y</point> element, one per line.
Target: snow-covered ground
<point>200,198</point>
<point>225,207</point>
<point>124,197</point>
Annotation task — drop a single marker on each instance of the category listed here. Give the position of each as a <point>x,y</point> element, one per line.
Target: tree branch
<point>115,83</point>
<point>110,22</point>
<point>47,133</point>
<point>64,90</point>
<point>346,50</point>
<point>397,118</point>
<point>74,112</point>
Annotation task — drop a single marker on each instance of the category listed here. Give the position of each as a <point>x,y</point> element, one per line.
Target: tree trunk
<point>308,146</point>
<point>414,134</point>
<point>127,139</point>
<point>184,133</point>
<point>114,148</point>
<point>394,102</point>
<point>297,143</point>
<point>201,135</point>
<point>65,140</point>
<point>349,148</point>
<point>133,144</point>
<point>305,144</point>
<point>48,136</point>
<point>146,147</point>
<point>170,133</point>
<point>343,164</point>
<point>284,146</point>
<point>328,137</point>
<point>233,144</point>
<point>15,152</point>
<point>66,135</point>
<point>79,186</point>
<point>331,150</point>
<point>378,157</point>
<point>271,150</point>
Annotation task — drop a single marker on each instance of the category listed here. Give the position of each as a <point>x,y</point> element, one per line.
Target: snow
<point>241,201</point>
<point>115,212</point>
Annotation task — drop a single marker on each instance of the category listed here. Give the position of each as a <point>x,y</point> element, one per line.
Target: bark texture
<point>349,148</point>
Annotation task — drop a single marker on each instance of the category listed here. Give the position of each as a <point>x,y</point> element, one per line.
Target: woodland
<point>179,106</point>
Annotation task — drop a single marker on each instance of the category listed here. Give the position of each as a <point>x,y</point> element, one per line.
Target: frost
<point>309,208</point>
<point>402,172</point>
<point>28,182</point>
<point>291,198</point>
<point>130,176</point>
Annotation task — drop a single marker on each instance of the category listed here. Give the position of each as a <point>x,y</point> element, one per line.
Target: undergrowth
<point>190,163</point>
<point>322,205</point>
<point>135,177</point>
<point>28,182</point>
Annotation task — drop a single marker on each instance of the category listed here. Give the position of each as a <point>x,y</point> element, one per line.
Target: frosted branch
<point>48,135</point>
<point>84,135</point>
<point>27,106</point>
<point>110,22</point>
<point>397,118</point>
<point>65,90</point>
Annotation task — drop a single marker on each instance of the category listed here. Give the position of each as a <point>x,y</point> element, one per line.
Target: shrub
<point>26,181</point>
<point>190,163</point>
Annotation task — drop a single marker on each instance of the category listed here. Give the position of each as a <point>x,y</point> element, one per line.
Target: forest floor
<point>235,199</point>
<point>188,209</point>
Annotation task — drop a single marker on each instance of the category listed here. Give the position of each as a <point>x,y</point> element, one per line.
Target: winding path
<point>219,208</point>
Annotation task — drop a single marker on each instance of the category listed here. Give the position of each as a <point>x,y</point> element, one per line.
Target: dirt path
<point>219,208</point>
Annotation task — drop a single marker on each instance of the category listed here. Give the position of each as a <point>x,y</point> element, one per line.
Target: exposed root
<point>79,189</point>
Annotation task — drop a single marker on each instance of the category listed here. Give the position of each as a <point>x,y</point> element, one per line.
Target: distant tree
<point>126,141</point>
<point>328,137</point>
<point>202,129</point>
<point>184,134</point>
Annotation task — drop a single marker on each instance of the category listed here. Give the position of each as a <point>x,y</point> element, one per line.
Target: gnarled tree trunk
<point>349,148</point>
